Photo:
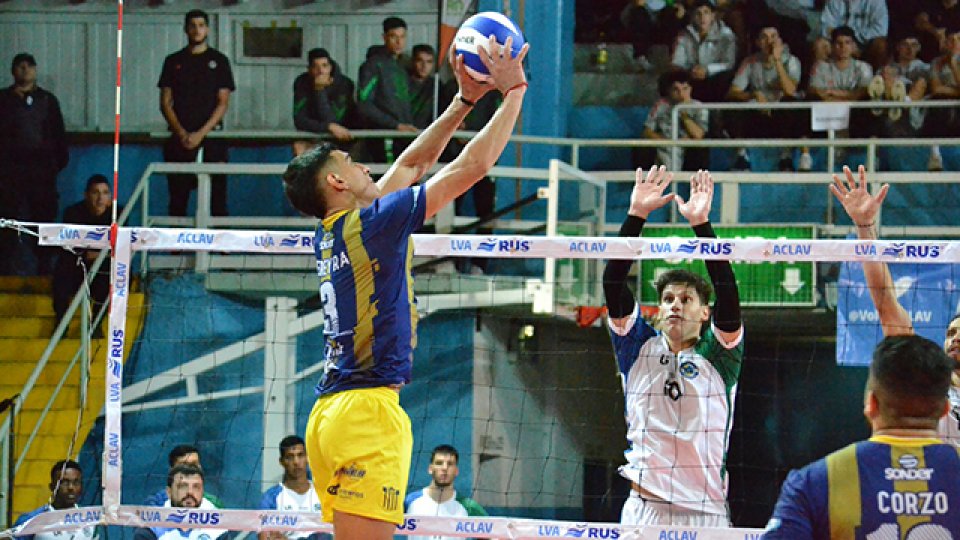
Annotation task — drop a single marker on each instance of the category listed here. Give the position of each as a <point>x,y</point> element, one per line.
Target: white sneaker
<point>897,93</point>
<point>805,163</point>
<point>875,91</point>
<point>935,164</point>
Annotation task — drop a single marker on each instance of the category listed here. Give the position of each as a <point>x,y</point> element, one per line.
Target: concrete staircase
<point>26,324</point>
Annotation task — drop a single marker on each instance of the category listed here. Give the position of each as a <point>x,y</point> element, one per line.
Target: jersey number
<point>328,299</point>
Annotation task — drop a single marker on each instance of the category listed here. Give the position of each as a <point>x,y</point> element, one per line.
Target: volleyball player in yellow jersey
<point>358,437</point>
<point>894,319</point>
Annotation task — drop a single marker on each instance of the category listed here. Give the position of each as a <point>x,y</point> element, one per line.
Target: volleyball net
<point>511,370</point>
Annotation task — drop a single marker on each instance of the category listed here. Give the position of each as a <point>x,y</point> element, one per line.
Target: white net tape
<point>151,239</point>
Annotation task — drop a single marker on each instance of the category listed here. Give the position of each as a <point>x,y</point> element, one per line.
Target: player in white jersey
<point>679,382</point>
<point>295,491</point>
<point>184,490</point>
<point>894,319</point>
<point>66,488</point>
<point>440,498</point>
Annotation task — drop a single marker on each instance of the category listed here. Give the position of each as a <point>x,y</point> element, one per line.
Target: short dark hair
<point>181,450</point>
<point>184,469</point>
<point>423,48</point>
<point>316,53</point>
<point>195,13</point>
<point>23,57</point>
<point>667,79</point>
<point>910,376</point>
<point>842,31</point>
<point>393,22</point>
<point>686,278</point>
<point>96,179</point>
<point>300,180</point>
<point>445,449</point>
<point>289,442</point>
<point>61,466</point>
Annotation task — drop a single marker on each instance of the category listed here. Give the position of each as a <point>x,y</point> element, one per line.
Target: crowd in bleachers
<point>791,50</point>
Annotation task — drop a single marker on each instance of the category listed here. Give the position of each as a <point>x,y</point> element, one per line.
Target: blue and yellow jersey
<point>370,316</point>
<point>887,487</point>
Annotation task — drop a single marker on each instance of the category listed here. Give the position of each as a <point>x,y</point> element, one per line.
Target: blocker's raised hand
<point>647,193</point>
<point>697,209</point>
<point>855,197</point>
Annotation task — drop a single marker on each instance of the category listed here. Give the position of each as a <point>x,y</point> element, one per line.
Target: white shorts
<point>640,511</point>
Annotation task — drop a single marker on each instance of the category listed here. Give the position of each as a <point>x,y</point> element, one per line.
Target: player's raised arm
<point>647,196</point>
<point>726,309</point>
<point>863,208</point>
<point>482,152</point>
<point>425,150</point>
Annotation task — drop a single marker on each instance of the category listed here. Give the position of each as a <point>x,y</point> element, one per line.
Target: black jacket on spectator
<point>31,130</point>
<point>67,272</point>
<point>314,110</point>
<point>383,90</point>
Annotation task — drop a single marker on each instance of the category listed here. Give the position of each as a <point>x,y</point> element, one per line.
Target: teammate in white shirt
<point>894,319</point>
<point>440,497</point>
<point>66,488</point>
<point>679,381</point>
<point>184,490</point>
<point>295,492</point>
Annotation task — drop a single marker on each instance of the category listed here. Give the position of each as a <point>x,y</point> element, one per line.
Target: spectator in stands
<point>844,78</point>
<point>383,94</point>
<point>440,497</point>
<point>771,75</point>
<point>944,84</point>
<point>706,50</point>
<point>641,20</point>
<point>323,99</point>
<point>68,274</point>
<point>905,78</point>
<point>183,454</point>
<point>195,86</point>
<point>184,490</point>
<point>33,149</point>
<point>295,491</point>
<point>796,20</point>
<point>869,21</point>
<point>66,488</point>
<point>675,88</point>
<point>931,21</point>
<point>422,85</point>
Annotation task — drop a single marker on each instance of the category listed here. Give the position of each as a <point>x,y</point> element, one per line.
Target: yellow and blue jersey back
<point>366,290</point>
<point>887,487</point>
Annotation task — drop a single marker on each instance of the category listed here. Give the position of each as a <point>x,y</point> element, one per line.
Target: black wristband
<point>632,226</point>
<point>704,230</point>
<point>466,101</point>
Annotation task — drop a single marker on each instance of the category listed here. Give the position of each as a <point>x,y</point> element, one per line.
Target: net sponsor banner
<point>536,247</point>
<point>929,293</point>
<point>274,520</point>
<point>113,412</point>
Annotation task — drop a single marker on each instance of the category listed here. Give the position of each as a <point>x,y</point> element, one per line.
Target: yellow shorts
<point>359,444</point>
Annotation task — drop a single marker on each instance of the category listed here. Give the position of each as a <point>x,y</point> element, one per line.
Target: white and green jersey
<point>679,410</point>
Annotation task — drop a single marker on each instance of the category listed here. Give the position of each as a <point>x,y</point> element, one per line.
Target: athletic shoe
<point>785,164</point>
<point>875,90</point>
<point>806,162</point>
<point>897,93</point>
<point>935,164</point>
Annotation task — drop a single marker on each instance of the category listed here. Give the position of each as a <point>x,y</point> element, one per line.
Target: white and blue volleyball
<point>475,33</point>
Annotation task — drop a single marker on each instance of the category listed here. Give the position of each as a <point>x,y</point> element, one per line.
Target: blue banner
<point>929,292</point>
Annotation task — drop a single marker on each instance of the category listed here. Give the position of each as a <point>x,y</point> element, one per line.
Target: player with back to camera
<point>679,382</point>
<point>894,319</point>
<point>901,483</point>
<point>363,250</point>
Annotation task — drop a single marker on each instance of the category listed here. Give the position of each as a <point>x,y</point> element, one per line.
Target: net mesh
<point>532,401</point>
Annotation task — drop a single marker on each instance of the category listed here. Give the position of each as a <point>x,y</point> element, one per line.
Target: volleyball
<point>474,34</point>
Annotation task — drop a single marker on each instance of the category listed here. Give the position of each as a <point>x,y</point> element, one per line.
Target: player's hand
<point>697,209</point>
<point>470,88</point>
<point>647,193</point>
<point>856,199</point>
<point>193,140</point>
<point>506,71</point>
<point>339,132</point>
